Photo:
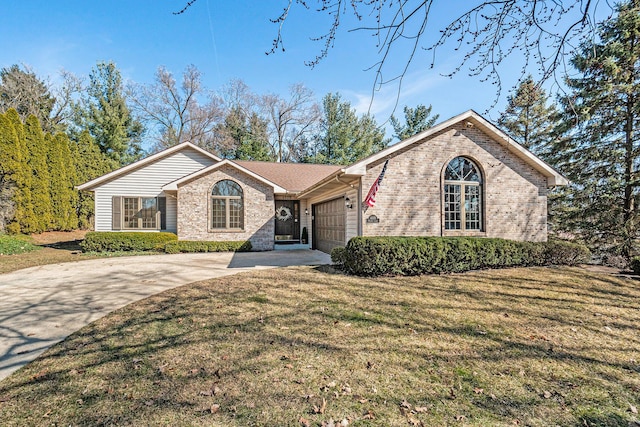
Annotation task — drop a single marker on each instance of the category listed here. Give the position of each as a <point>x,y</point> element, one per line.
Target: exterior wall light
<point>347,203</point>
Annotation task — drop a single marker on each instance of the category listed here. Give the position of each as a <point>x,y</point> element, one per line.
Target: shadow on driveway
<point>40,306</point>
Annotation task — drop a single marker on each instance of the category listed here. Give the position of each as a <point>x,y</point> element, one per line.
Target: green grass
<point>18,244</point>
<point>295,347</point>
<point>50,251</point>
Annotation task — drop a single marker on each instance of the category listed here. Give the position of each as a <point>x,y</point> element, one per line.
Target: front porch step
<point>291,246</point>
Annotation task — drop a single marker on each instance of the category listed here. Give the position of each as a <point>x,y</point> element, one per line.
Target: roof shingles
<point>294,177</point>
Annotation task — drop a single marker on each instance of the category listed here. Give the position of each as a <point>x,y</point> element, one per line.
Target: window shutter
<point>116,213</point>
<point>162,207</point>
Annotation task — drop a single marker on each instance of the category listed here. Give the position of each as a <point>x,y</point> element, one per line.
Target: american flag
<point>370,200</point>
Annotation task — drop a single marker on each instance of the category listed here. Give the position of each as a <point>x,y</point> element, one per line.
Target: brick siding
<point>194,214</point>
<point>410,201</point>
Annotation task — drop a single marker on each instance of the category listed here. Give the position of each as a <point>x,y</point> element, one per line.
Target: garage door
<point>329,225</point>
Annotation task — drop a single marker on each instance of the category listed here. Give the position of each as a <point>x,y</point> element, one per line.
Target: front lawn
<point>13,245</point>
<point>297,347</point>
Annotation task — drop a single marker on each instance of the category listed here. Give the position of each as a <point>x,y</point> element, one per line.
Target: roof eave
<point>553,177</point>
<point>337,174</point>
<point>90,185</point>
<point>173,186</point>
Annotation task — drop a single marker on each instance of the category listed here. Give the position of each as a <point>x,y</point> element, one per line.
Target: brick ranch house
<point>463,177</point>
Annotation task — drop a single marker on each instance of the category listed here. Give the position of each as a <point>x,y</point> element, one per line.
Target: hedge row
<point>198,246</point>
<point>408,256</point>
<point>105,241</point>
<point>98,241</point>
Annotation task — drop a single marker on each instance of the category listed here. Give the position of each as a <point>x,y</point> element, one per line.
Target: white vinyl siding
<point>148,182</point>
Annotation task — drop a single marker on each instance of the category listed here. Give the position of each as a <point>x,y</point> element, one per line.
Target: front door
<point>287,220</point>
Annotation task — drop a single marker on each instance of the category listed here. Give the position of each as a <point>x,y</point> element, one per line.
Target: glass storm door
<point>287,220</point>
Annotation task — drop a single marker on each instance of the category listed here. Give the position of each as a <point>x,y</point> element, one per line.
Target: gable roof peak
<point>474,119</point>
<point>145,161</point>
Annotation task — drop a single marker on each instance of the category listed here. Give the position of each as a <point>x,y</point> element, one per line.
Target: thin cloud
<point>386,99</point>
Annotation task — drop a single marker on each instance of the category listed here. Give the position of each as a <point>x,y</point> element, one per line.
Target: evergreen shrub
<point>408,256</point>
<point>185,246</point>
<point>107,241</point>
<point>561,252</point>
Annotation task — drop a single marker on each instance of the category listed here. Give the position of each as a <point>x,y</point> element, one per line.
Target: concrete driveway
<point>40,306</point>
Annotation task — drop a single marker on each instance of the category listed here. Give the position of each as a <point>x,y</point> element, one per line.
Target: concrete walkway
<point>40,306</point>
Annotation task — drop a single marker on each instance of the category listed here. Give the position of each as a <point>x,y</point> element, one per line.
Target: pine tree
<point>89,163</point>
<point>345,138</point>
<point>529,119</point>
<point>40,178</point>
<point>244,137</point>
<point>23,91</point>
<point>602,153</point>
<point>416,120</point>
<point>104,112</point>
<point>62,171</point>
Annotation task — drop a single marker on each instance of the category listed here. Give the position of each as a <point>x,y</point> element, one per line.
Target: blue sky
<point>228,40</point>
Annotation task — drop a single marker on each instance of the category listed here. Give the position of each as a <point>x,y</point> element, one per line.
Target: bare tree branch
<point>176,113</point>
<point>544,32</point>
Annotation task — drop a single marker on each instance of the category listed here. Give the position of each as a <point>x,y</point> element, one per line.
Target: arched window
<point>227,211</point>
<point>462,196</point>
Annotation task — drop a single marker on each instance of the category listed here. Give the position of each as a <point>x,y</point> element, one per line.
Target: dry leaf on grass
<point>320,409</point>
<point>633,409</point>
<point>369,416</point>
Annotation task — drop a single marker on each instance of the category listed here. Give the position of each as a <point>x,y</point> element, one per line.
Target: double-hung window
<point>227,208</point>
<point>140,213</point>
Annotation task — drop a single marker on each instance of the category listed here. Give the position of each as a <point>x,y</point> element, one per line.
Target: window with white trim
<point>227,206</point>
<point>462,196</point>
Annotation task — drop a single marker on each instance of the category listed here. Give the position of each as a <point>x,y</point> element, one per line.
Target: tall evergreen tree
<point>23,91</point>
<point>345,138</point>
<point>601,156</point>
<point>104,112</point>
<point>62,172</point>
<point>89,163</point>
<point>415,121</point>
<point>529,118</point>
<point>244,137</point>
<point>10,164</point>
<point>23,219</point>
<point>37,154</point>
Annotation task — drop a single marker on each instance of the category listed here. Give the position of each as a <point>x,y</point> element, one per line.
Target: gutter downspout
<point>360,206</point>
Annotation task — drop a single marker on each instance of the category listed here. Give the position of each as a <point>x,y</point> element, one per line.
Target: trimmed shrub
<point>376,256</point>
<point>107,241</point>
<point>560,252</point>
<point>338,256</point>
<point>186,246</point>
